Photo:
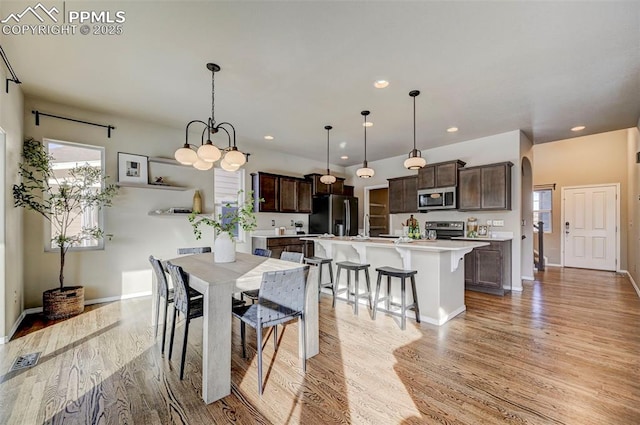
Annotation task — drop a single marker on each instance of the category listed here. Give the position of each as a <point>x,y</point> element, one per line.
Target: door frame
<point>562,218</point>
<point>365,203</point>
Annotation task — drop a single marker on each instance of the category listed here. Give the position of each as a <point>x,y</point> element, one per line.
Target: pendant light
<point>328,178</point>
<point>365,172</point>
<point>205,155</point>
<point>415,160</point>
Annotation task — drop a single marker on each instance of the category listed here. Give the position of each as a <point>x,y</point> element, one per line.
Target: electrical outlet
<point>489,222</point>
<point>498,223</point>
<point>291,223</point>
<point>273,222</point>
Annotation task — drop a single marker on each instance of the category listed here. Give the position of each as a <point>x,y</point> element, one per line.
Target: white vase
<point>224,249</point>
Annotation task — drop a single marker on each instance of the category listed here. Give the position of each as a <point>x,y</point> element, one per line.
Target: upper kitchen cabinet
<point>442,174</point>
<point>319,188</point>
<point>295,195</point>
<point>266,186</point>
<point>403,194</point>
<point>281,193</point>
<point>485,187</point>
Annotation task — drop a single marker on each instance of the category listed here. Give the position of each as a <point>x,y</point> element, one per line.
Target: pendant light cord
<point>213,91</point>
<point>414,123</point>
<point>365,139</point>
<point>328,129</point>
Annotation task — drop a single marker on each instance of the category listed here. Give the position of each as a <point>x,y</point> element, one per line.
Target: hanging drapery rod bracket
<point>14,78</point>
<point>38,114</point>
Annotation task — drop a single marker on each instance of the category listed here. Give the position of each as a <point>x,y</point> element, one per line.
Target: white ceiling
<point>290,68</point>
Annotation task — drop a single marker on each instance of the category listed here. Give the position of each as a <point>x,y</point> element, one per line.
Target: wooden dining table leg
<point>311,323</point>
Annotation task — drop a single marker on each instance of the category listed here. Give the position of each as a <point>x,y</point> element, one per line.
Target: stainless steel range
<point>446,229</point>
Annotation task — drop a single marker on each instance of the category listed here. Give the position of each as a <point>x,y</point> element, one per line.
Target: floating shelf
<point>167,214</point>
<point>150,186</point>
<point>168,161</point>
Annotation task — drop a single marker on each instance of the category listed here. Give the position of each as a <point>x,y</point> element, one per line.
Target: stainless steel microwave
<point>443,198</point>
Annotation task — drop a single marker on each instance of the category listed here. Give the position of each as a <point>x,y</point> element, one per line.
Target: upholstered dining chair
<point>163,291</point>
<point>281,300</point>
<point>295,257</point>
<point>262,252</point>
<point>190,308</point>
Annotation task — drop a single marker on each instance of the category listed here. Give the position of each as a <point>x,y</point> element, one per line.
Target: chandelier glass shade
<point>415,160</point>
<point>365,172</point>
<point>328,178</point>
<point>203,157</point>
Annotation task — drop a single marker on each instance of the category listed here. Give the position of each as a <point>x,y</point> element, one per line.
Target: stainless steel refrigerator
<point>335,214</point>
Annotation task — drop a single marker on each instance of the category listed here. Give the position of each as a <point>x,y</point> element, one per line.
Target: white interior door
<point>590,219</point>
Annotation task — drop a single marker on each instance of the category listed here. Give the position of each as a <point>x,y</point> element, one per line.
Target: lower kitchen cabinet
<point>488,268</point>
<point>278,245</point>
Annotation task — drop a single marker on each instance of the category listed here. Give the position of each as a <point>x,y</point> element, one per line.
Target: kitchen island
<point>440,266</point>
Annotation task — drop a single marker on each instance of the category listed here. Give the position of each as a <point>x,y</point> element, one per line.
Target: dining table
<point>218,282</point>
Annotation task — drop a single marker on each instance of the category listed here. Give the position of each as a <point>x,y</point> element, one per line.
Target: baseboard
<point>553,265</point>
<point>527,278</point>
<point>34,310</point>
<point>633,282</point>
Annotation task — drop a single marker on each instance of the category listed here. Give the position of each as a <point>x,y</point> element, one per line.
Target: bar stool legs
<point>355,267</point>
<point>390,272</point>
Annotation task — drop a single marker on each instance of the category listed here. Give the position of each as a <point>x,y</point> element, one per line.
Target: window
<point>226,185</point>
<point>66,156</point>
<point>542,200</point>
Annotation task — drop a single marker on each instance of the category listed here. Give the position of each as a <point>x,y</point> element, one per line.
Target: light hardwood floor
<point>564,351</point>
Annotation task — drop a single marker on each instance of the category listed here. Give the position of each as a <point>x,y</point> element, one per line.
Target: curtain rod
<point>14,78</point>
<point>38,114</point>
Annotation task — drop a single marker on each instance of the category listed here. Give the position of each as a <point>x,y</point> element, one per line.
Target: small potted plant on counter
<point>225,225</point>
<point>62,199</point>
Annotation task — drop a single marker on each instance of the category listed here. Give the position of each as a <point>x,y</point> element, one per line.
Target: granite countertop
<point>436,245</point>
<point>493,238</point>
<point>292,235</point>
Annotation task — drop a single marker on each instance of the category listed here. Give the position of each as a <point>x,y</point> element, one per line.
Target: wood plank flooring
<point>564,351</point>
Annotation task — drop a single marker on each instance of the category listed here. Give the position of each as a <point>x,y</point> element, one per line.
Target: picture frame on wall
<point>133,168</point>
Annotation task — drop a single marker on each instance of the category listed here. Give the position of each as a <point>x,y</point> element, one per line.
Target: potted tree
<point>62,201</point>
<point>225,225</point>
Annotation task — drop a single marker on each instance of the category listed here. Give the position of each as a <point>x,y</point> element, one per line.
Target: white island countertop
<point>493,238</point>
<point>439,265</point>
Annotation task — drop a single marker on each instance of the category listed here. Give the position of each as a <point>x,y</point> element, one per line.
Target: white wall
<point>633,205</point>
<point>11,239</point>
<point>122,268</point>
<point>486,150</point>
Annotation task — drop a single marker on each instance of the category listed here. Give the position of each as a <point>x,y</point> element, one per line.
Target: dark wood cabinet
<point>281,193</point>
<point>348,190</point>
<point>442,174</point>
<point>403,194</point>
<point>488,268</point>
<point>266,186</point>
<point>319,188</point>
<point>281,244</point>
<point>485,187</point>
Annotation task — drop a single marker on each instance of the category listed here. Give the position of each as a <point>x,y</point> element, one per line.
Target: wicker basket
<point>60,303</point>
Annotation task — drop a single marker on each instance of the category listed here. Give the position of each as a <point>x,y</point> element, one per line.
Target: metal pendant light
<point>328,178</point>
<point>365,172</point>
<point>205,155</point>
<point>415,160</point>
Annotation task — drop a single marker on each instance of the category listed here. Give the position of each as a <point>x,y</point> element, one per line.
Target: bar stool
<point>403,275</point>
<point>319,262</point>
<point>355,267</point>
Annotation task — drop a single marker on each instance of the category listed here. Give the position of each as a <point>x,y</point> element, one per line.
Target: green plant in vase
<point>62,200</point>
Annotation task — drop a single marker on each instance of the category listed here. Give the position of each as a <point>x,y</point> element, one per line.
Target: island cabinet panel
<point>488,268</point>
<point>442,174</point>
<point>266,186</point>
<point>403,194</point>
<point>486,187</point>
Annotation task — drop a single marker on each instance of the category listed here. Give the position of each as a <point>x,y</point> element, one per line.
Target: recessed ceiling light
<point>344,157</point>
<point>578,128</point>
<point>380,84</point>
<point>452,129</point>
<point>367,124</point>
<point>268,137</point>
<point>343,145</point>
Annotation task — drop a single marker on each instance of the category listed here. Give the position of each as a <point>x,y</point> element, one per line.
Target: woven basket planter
<point>60,303</point>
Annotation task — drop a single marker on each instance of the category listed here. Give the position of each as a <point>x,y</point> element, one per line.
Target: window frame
<point>539,211</point>
<point>47,225</point>
<point>217,206</point>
